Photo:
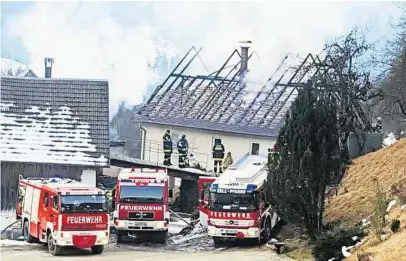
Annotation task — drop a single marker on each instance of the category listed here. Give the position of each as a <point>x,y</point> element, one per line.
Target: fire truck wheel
<point>161,237</point>
<point>26,233</point>
<point>96,250</point>
<point>53,249</point>
<point>267,231</point>
<point>120,235</point>
<point>217,241</point>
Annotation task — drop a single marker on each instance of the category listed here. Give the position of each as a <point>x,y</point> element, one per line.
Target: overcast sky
<point>127,42</point>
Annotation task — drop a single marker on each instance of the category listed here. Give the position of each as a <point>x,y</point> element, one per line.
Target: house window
<point>254,148</point>
<point>214,140</point>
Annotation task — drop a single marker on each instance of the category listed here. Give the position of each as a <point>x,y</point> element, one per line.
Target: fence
<point>153,151</point>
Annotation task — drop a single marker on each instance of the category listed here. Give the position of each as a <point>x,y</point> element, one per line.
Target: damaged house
<point>226,105</point>
<point>52,127</point>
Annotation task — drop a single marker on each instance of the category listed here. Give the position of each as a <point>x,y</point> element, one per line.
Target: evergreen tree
<point>307,156</point>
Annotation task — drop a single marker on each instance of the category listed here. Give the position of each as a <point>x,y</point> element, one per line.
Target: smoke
<point>126,42</point>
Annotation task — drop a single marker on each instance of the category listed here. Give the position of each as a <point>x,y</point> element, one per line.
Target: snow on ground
<point>7,217</point>
<point>198,232</point>
<point>389,140</point>
<point>175,227</point>
<point>9,242</point>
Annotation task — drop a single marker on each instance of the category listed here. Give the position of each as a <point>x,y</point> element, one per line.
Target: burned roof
<point>60,121</point>
<point>221,101</point>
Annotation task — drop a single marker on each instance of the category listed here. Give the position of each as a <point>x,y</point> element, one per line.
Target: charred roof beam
<point>220,91</point>
<point>261,91</point>
<point>176,78</point>
<point>159,87</point>
<point>288,84</point>
<point>215,77</point>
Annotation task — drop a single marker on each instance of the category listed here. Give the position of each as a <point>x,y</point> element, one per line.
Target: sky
<point>135,44</point>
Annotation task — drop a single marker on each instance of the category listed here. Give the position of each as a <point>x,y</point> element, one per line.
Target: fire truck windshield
<point>144,194</point>
<point>83,203</point>
<point>227,202</point>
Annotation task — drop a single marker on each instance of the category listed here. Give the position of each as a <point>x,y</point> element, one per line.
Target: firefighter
<point>183,147</point>
<point>167,142</point>
<point>218,155</point>
<point>379,124</point>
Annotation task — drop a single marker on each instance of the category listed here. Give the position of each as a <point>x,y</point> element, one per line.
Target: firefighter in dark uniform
<point>183,147</point>
<point>218,156</point>
<point>167,148</point>
<point>379,124</point>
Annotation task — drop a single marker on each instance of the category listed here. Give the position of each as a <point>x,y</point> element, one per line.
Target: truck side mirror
<point>113,204</point>
<point>170,193</point>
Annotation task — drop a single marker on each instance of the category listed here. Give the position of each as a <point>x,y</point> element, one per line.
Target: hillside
<point>387,165</point>
<point>353,203</point>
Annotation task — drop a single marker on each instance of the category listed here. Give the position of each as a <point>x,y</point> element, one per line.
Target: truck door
<point>20,199</point>
<point>45,210</point>
<point>203,187</point>
<point>54,211</point>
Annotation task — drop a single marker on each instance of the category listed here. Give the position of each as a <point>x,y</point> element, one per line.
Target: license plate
<point>140,224</point>
<point>230,231</point>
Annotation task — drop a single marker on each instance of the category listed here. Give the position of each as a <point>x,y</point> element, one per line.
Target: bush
<point>395,226</point>
<point>328,243</point>
<point>379,205</point>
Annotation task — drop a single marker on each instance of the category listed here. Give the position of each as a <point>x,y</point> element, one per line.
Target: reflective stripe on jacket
<point>218,152</point>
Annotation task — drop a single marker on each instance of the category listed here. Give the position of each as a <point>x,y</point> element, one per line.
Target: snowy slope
<point>11,67</point>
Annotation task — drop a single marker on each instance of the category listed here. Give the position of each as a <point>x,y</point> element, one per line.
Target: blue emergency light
<point>55,178</point>
<point>251,187</point>
<point>214,187</point>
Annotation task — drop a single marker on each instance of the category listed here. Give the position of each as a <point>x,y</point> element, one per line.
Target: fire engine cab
<point>141,200</point>
<point>236,206</point>
<point>63,212</point>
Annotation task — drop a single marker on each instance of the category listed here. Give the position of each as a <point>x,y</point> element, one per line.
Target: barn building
<point>52,127</point>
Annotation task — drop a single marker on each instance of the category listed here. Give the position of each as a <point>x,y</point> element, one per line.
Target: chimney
<point>48,66</point>
<point>245,45</point>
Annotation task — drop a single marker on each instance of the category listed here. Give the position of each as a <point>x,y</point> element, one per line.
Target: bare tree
<point>393,82</point>
<point>343,72</point>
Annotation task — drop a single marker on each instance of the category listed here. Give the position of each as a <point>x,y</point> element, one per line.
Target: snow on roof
<point>58,121</point>
<point>62,184</point>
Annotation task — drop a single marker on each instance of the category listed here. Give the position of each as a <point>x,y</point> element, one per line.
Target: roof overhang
<point>211,126</point>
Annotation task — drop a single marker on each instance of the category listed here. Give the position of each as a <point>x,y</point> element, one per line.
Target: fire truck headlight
<point>250,223</point>
<point>211,230</point>
<point>252,231</point>
<point>121,224</point>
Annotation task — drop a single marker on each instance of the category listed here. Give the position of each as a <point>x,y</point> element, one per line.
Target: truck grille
<point>141,216</point>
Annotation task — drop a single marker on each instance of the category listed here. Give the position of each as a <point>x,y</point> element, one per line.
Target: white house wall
<point>200,143</point>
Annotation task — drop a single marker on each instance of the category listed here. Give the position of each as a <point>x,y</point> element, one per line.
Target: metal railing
<point>153,151</point>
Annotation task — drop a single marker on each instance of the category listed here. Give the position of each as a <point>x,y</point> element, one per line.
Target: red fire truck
<point>141,204</point>
<point>236,203</point>
<point>63,212</point>
<point>203,186</point>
